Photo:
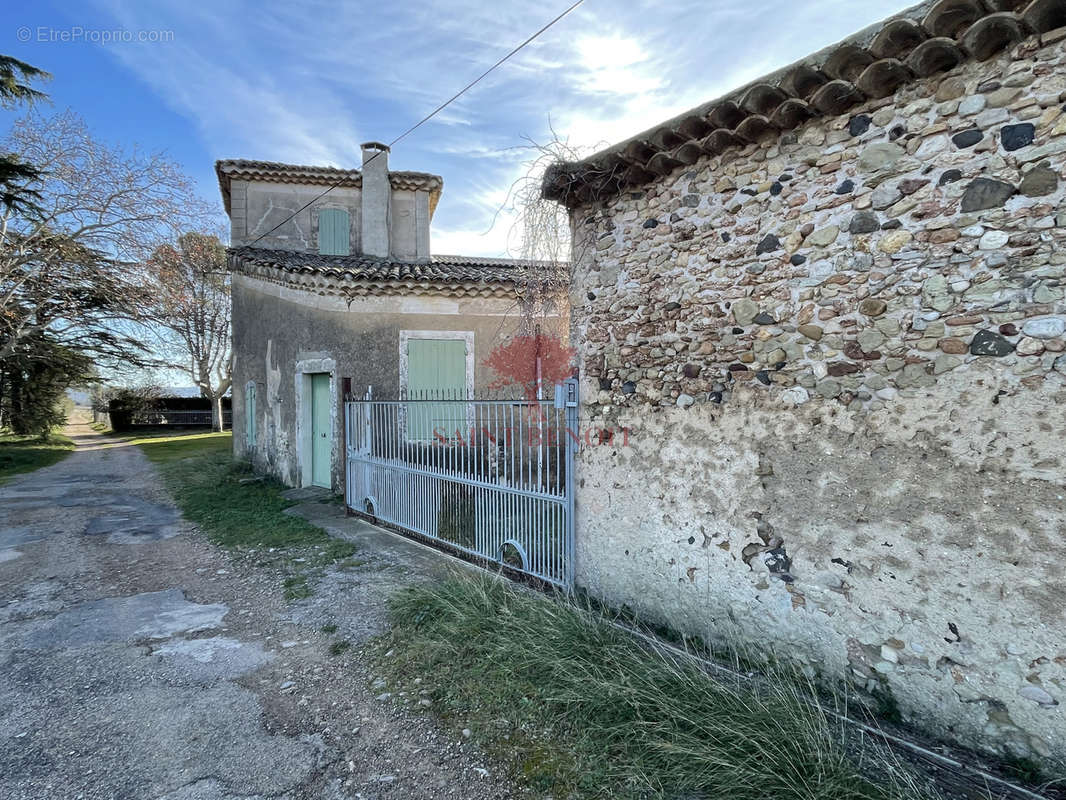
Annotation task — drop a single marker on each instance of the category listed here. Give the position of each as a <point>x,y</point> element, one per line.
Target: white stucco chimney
<point>377,199</point>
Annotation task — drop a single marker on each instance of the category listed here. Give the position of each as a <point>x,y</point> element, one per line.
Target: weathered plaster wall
<point>278,331</point>
<point>258,206</point>
<point>840,358</point>
<point>409,232</point>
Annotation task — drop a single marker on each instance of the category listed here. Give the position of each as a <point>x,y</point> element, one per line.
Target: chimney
<point>377,199</point>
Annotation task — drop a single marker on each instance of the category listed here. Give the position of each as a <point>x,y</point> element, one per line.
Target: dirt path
<point>138,661</point>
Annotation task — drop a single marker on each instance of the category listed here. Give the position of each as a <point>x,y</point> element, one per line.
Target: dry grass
<point>582,710</point>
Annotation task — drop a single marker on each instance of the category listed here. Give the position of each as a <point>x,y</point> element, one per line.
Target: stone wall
<point>841,358</point>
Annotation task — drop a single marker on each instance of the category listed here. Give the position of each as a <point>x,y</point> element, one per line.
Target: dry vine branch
<point>540,235</point>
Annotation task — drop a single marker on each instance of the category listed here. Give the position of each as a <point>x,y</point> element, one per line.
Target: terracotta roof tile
<point>232,169</point>
<point>357,269</point>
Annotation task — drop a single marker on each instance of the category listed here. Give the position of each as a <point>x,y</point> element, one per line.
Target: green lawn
<point>582,710</point>
<point>19,454</point>
<point>239,510</point>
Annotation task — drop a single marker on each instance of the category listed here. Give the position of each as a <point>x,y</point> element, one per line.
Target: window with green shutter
<point>333,225</point>
<point>436,368</point>
<point>249,414</point>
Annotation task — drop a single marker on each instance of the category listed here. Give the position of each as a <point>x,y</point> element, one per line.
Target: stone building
<point>333,279</point>
<point>829,308</point>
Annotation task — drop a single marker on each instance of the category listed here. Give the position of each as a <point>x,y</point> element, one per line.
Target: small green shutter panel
<point>249,415</point>
<point>333,232</point>
<point>436,367</point>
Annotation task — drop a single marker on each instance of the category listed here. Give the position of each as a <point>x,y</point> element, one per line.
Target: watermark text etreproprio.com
<point>77,34</point>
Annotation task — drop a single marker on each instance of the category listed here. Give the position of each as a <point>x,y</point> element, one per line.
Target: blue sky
<point>306,82</point>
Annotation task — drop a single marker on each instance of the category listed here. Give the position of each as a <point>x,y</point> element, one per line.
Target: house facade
<point>829,308</point>
<point>333,282</point>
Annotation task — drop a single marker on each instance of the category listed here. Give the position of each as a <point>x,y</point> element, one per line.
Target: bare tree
<point>71,266</point>
<point>190,309</point>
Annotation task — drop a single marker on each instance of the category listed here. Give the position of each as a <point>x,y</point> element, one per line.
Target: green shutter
<point>249,415</point>
<point>436,366</point>
<point>333,232</point>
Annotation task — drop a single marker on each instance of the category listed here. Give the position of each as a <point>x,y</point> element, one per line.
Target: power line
<point>424,119</point>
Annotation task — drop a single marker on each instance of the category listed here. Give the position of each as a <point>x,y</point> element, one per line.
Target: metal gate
<point>490,477</point>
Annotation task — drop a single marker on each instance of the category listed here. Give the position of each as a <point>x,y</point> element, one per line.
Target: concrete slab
<point>147,741</point>
<point>213,659</point>
<point>307,494</point>
<point>152,615</point>
<point>382,542</point>
<point>127,519</point>
<point>22,534</point>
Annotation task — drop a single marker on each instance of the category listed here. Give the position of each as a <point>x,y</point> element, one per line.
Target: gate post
<point>346,393</point>
<point>570,389</point>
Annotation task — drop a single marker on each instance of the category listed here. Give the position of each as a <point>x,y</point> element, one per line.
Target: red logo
<point>535,362</point>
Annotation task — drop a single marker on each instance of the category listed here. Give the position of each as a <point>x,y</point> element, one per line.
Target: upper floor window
<point>333,226</point>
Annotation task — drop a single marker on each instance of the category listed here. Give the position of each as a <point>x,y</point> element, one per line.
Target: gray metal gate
<point>490,477</point>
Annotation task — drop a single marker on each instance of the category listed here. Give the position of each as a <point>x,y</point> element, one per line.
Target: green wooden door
<point>435,368</point>
<point>321,431</point>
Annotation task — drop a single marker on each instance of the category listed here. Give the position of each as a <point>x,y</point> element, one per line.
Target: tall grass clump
<point>584,710</point>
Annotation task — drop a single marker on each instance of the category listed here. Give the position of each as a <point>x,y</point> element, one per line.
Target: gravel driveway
<point>139,661</point>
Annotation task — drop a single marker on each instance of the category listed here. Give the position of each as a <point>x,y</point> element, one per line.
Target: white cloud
<point>614,64</point>
<point>473,241</point>
<point>306,82</point>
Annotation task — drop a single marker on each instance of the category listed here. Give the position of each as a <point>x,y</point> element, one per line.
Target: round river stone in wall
<point>1028,346</point>
<point>1047,328</point>
<point>1015,137</point>
<point>993,240</point>
<point>894,242</point>
<point>967,138</point>
<point>768,244</point>
<point>859,125</point>
<point>987,343</point>
<point>864,222</point>
<point>744,311</point>
<point>974,104</point>
<point>985,193</point>
<point>823,237</point>
<point>880,156</point>
<point>1039,182</point>
<point>950,176</point>
<point>872,307</point>
<point>884,196</point>
<point>1037,695</point>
